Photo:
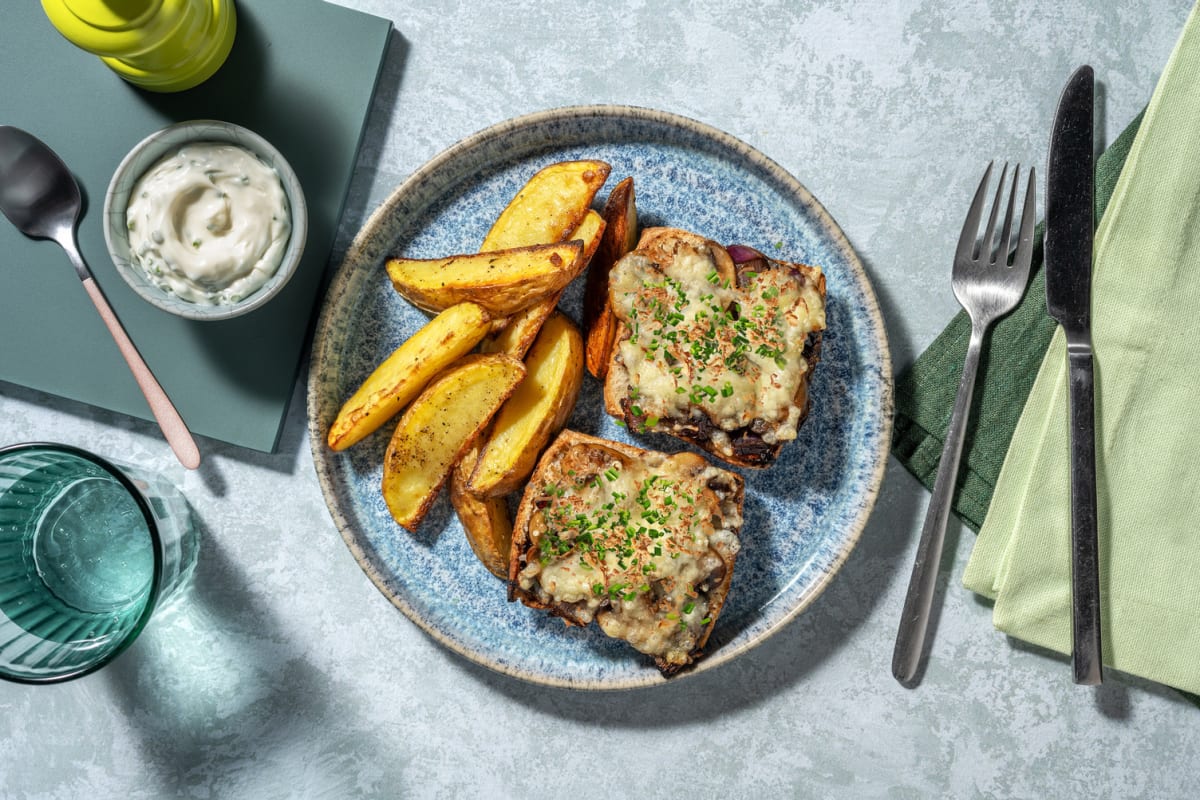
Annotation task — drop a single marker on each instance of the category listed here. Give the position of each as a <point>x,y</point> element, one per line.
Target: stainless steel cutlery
<point>989,279</point>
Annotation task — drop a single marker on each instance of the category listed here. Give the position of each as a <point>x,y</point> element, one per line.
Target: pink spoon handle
<point>173,427</point>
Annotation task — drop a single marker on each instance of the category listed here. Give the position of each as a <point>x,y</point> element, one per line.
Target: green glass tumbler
<point>88,551</point>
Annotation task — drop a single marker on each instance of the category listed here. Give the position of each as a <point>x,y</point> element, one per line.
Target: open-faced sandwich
<point>714,345</point>
<point>642,542</point>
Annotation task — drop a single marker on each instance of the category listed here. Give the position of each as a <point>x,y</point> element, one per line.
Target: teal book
<point>302,74</point>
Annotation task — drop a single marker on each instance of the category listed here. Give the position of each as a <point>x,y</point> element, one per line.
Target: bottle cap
<point>160,45</point>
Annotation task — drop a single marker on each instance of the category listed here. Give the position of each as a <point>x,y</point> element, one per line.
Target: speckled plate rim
<point>367,249</point>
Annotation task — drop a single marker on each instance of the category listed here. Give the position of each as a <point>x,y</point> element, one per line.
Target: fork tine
<point>988,242</point>
<point>966,240</point>
<point>1003,252</point>
<point>1025,242</point>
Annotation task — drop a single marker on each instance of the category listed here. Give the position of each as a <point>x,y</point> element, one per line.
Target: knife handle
<point>1086,660</point>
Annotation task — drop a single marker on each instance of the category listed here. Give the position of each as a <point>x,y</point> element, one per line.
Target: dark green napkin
<point>1012,354</point>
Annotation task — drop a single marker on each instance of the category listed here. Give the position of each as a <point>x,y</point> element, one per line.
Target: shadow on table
<point>894,318</point>
<point>225,691</point>
<point>781,662</point>
<point>1111,698</point>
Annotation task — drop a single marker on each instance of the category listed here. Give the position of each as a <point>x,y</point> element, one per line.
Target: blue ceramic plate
<point>802,516</point>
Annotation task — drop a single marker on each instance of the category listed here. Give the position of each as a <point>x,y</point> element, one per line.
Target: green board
<point>302,74</point>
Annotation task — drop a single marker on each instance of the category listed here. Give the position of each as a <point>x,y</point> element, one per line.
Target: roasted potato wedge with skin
<point>591,233</point>
<point>485,520</point>
<point>503,282</point>
<point>522,328</point>
<point>404,373</point>
<point>620,237</point>
<point>537,410</point>
<point>519,331</point>
<point>549,207</point>
<point>438,428</point>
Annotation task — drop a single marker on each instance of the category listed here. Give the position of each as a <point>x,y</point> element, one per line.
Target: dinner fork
<point>988,285</point>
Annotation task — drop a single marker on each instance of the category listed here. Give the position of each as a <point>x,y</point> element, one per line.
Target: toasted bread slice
<point>642,542</point>
<point>715,345</point>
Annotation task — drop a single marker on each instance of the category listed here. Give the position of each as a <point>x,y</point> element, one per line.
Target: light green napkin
<point>1146,336</point>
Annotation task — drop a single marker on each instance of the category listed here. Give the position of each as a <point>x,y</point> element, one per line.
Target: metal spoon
<point>40,197</point>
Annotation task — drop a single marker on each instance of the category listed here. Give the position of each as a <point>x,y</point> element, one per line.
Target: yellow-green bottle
<point>160,45</point>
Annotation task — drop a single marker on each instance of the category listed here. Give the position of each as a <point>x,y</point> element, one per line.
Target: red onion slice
<point>740,253</point>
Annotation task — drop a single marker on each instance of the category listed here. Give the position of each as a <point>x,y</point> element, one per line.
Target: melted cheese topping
<point>638,547</point>
<point>698,341</point>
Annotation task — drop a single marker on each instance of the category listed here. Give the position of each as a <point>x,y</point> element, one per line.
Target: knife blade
<point>1070,204</point>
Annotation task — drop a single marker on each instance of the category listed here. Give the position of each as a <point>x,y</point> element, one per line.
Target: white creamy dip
<point>209,223</point>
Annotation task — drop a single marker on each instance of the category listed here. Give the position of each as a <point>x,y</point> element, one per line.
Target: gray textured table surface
<point>288,675</point>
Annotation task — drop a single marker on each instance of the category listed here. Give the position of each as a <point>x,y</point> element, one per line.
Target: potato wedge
<point>518,333</point>
<point>549,207</point>
<point>503,282</point>
<point>437,429</point>
<point>537,410</point>
<point>485,520</point>
<point>522,328</point>
<point>620,236</point>
<point>591,232</point>
<point>404,373</point>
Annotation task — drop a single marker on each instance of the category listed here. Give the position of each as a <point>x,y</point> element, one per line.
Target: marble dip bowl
<point>145,155</point>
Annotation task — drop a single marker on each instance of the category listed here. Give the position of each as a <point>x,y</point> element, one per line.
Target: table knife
<point>1070,205</point>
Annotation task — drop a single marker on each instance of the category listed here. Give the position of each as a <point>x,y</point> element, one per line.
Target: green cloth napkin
<point>1012,353</point>
<point>1146,337</point>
